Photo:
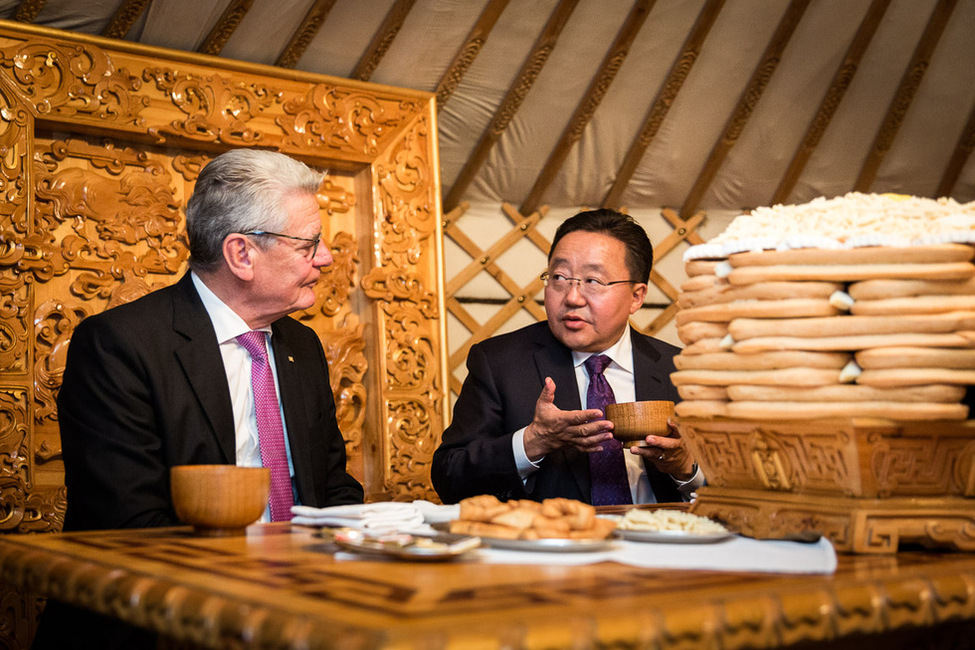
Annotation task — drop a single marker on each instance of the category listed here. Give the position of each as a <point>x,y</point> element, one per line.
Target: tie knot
<point>254,342</point>
<point>597,363</point>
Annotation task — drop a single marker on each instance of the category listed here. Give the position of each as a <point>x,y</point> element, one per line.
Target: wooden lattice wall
<point>523,292</point>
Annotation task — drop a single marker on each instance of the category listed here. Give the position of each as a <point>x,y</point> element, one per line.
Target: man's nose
<point>574,294</point>
<point>323,256</point>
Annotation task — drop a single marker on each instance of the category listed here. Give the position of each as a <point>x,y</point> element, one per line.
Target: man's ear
<point>638,296</point>
<point>238,252</point>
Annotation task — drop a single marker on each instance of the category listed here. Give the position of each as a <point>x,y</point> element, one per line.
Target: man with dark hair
<point>179,376</point>
<point>519,429</point>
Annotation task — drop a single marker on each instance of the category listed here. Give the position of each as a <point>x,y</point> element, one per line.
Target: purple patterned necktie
<point>270,430</point>
<point>607,468</point>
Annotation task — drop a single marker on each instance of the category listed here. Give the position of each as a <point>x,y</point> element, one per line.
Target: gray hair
<point>240,191</point>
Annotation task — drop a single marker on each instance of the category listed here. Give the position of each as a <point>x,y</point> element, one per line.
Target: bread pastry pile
<point>668,520</point>
<point>866,311</point>
<point>486,516</point>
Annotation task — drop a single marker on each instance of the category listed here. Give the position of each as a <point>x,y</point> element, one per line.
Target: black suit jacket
<point>505,377</point>
<point>145,389</point>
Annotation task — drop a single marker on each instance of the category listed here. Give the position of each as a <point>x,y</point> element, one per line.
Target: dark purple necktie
<point>610,485</point>
<point>270,430</point>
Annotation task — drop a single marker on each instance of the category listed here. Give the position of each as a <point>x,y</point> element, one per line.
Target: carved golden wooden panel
<point>868,485</point>
<point>100,144</point>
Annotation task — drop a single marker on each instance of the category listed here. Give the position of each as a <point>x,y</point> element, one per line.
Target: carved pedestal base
<point>853,524</point>
<point>867,484</point>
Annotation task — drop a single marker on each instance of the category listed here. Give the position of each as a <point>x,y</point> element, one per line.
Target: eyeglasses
<point>589,287</point>
<point>312,242</point>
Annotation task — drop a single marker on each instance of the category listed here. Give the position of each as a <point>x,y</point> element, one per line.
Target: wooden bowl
<point>219,500</point>
<point>634,421</point>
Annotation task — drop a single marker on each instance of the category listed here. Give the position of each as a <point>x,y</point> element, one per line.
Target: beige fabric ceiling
<point>558,123</point>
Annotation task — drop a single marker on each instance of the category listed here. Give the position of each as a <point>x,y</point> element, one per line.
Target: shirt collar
<point>226,323</point>
<point>620,352</point>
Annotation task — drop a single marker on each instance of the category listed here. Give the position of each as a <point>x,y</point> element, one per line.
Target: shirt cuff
<point>524,465</point>
<point>692,484</point>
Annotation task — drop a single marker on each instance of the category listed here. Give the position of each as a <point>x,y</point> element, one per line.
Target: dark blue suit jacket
<point>505,377</point>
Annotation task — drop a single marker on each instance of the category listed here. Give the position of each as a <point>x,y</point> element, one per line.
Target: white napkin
<point>437,514</point>
<point>376,517</point>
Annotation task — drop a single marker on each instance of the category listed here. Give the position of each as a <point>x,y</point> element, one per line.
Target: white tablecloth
<point>734,554</point>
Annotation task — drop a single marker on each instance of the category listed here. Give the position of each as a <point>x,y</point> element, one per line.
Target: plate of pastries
<point>521,524</point>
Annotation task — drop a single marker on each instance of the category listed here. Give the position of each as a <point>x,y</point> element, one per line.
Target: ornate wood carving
<point>27,10</point>
<point>409,305</point>
<point>92,217</point>
<point>346,122</point>
<point>278,590</point>
<point>866,484</point>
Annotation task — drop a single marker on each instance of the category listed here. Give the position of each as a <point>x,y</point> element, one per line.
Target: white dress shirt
<point>237,363</point>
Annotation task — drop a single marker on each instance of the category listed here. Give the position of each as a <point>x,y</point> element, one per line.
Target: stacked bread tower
<point>858,306</point>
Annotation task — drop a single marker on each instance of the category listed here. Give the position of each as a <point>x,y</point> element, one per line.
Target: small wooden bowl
<point>219,500</point>
<point>634,421</point>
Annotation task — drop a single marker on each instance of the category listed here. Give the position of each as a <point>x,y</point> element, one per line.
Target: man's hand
<point>669,454</point>
<point>553,428</point>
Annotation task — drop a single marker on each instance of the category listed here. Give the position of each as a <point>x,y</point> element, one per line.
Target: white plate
<point>548,544</point>
<point>673,536</point>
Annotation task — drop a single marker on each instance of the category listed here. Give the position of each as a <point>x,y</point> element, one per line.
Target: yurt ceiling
<point>688,104</point>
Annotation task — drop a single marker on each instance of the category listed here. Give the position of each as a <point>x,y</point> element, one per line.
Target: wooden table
<point>279,586</point>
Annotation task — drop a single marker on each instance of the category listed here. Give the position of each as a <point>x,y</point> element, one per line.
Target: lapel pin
<point>291,358</point>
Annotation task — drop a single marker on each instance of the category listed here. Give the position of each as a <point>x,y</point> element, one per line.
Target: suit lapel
<point>554,360</point>
<point>201,361</point>
<point>648,376</point>
<point>646,369</point>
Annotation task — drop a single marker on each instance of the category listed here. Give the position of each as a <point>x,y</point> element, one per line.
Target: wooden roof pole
<point>831,100</point>
<point>966,143</point>
<point>679,71</point>
<point>905,94</point>
<point>305,33</point>
<point>469,50</point>
<point>27,10</point>
<point>124,17</point>
<point>523,82</point>
<point>382,40</point>
<point>747,102</point>
<point>225,27</point>
<point>591,99</point>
